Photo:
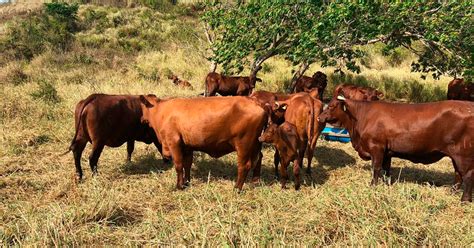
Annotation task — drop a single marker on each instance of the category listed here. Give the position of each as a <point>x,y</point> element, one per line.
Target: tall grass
<point>135,204</point>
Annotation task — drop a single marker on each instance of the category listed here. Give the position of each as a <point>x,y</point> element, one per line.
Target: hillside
<point>132,51</point>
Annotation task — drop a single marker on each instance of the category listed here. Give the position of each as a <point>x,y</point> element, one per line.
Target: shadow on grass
<point>205,168</point>
<point>328,159</point>
<point>146,164</point>
<point>419,175</point>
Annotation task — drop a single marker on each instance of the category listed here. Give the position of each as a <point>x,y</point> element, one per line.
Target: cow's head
<point>278,111</point>
<point>269,135</point>
<point>148,103</point>
<point>321,79</point>
<point>334,112</point>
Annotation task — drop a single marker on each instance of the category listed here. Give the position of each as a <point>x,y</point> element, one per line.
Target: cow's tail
<point>78,124</point>
<point>310,124</point>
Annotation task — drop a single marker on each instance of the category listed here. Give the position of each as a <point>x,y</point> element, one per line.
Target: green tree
<point>247,34</point>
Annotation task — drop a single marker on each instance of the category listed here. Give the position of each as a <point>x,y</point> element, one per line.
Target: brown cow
<point>318,80</point>
<point>108,120</point>
<point>179,82</point>
<point>359,93</point>
<point>266,98</point>
<point>421,133</point>
<point>301,110</point>
<point>287,142</point>
<point>214,125</point>
<point>229,86</point>
<point>460,90</point>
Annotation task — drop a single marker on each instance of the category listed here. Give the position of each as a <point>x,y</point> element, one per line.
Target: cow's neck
<point>349,121</point>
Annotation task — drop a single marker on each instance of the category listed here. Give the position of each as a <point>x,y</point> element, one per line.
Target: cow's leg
<point>386,165</point>
<point>276,161</point>
<point>377,161</point>
<point>130,148</point>
<point>257,168</point>
<point>178,160</point>
<point>187,162</point>
<point>97,148</point>
<point>243,168</point>
<point>284,173</point>
<point>468,179</point>
<point>309,156</point>
<point>457,178</point>
<point>212,89</point>
<point>297,165</point>
<point>77,150</point>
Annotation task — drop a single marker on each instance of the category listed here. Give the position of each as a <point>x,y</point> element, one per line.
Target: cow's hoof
<point>308,171</point>
<point>187,184</point>
<point>466,199</point>
<point>297,187</point>
<point>78,179</point>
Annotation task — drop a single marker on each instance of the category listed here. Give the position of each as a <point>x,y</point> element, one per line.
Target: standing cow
<point>318,80</point>
<point>460,90</point>
<point>229,86</point>
<point>108,120</point>
<point>214,125</point>
<point>421,133</point>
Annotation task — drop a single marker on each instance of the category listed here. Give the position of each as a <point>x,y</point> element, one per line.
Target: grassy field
<point>136,203</point>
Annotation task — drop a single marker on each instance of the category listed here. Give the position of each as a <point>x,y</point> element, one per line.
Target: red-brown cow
<point>460,90</point>
<point>357,92</point>
<point>301,110</point>
<point>179,82</point>
<point>229,86</point>
<point>421,133</point>
<point>287,142</point>
<point>318,80</point>
<point>214,125</point>
<point>268,99</point>
<point>108,120</point>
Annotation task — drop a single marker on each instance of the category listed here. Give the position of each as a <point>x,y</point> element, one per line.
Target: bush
<point>46,92</point>
<point>52,29</point>
<point>13,73</point>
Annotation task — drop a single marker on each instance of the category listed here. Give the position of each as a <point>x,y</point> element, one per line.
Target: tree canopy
<point>304,32</point>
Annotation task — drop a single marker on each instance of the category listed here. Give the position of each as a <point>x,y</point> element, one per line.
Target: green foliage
<point>46,92</point>
<point>330,32</point>
<point>52,29</point>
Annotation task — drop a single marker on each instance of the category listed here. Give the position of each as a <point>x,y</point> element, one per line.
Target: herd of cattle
<point>379,130</point>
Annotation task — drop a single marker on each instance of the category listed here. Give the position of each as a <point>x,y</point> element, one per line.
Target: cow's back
<point>114,119</point>
<point>211,124</point>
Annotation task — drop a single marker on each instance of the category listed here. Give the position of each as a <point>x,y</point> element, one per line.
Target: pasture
<point>131,204</point>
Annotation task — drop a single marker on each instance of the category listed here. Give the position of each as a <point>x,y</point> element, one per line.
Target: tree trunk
<point>297,75</point>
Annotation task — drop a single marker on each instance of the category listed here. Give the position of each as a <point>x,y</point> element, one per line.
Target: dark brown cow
<point>214,125</point>
<point>301,110</point>
<point>229,86</point>
<point>287,142</point>
<point>266,98</point>
<point>460,90</point>
<point>421,133</point>
<point>108,120</point>
<point>318,80</point>
<point>359,93</point>
<point>179,82</point>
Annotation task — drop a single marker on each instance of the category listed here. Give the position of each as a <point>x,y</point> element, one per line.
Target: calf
<point>108,120</point>
<point>318,80</point>
<point>179,82</point>
<point>359,93</point>
<point>421,133</point>
<point>286,141</point>
<point>302,111</point>
<point>266,98</point>
<point>229,86</point>
<point>460,90</point>
<point>214,125</point>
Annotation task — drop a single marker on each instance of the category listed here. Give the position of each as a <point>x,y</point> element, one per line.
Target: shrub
<point>13,73</point>
<point>46,92</point>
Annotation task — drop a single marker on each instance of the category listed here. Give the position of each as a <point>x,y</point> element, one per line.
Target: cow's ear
<point>341,98</point>
<point>145,101</point>
<point>380,94</point>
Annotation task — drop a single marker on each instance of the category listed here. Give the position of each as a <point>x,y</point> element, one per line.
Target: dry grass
<point>136,203</point>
